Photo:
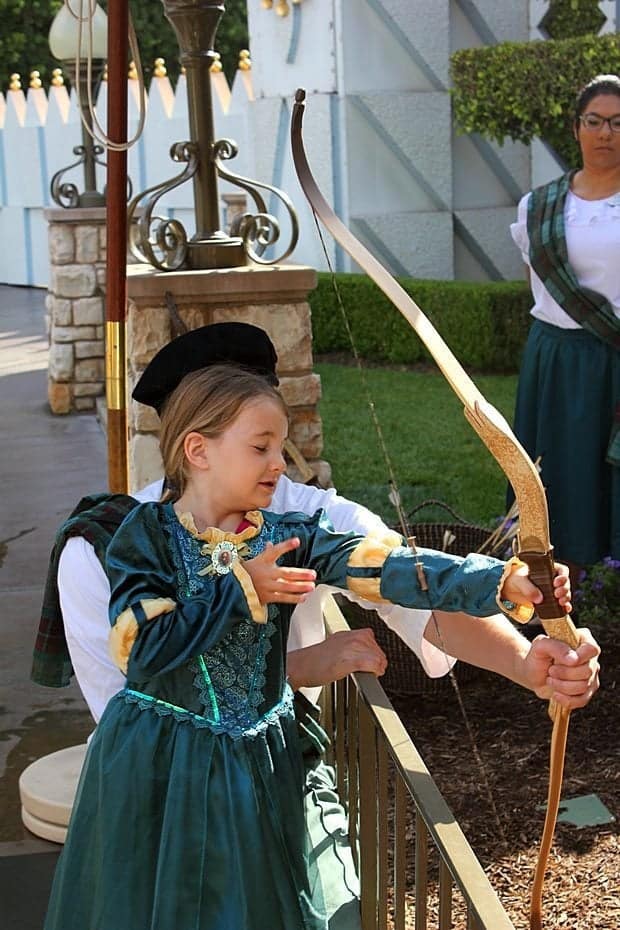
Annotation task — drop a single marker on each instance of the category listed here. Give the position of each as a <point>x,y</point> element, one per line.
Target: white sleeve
<point>307,628</point>
<point>410,624</point>
<point>152,492</point>
<point>518,230</point>
<point>344,514</point>
<point>307,620</point>
<point>84,595</point>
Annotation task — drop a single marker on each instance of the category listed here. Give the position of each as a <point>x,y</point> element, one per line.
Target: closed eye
<point>261,448</point>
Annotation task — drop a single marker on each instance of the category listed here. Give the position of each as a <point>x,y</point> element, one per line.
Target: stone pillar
<point>274,298</point>
<point>76,308</point>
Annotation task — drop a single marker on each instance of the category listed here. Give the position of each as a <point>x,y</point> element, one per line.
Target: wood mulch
<point>496,790</point>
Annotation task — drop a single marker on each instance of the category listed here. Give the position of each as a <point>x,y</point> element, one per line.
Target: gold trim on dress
<point>125,631</point>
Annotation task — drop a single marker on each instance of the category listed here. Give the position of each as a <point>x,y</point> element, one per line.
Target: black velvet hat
<point>217,344</point>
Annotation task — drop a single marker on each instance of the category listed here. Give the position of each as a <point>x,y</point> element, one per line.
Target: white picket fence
<point>39,128</point>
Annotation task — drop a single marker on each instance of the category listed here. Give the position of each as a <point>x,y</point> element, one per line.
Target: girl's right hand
<point>275,583</point>
<point>519,589</point>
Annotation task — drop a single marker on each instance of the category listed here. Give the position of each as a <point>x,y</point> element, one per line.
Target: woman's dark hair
<point>601,84</point>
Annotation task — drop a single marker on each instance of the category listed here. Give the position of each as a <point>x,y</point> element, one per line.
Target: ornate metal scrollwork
<point>157,240</point>
<point>257,230</point>
<point>162,242</point>
<point>66,194</point>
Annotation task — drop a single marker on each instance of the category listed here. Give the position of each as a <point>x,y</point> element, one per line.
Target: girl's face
<point>600,147</point>
<point>244,463</point>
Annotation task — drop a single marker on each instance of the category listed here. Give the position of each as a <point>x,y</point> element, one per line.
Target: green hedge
<point>484,324</point>
<point>526,90</point>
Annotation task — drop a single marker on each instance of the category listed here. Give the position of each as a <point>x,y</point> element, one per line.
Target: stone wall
<point>76,308</point>
<point>274,298</point>
<point>76,303</point>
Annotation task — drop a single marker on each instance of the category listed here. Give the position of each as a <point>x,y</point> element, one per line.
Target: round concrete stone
<point>47,787</point>
<point>47,831</point>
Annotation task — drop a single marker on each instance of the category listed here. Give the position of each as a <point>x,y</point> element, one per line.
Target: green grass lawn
<point>434,451</point>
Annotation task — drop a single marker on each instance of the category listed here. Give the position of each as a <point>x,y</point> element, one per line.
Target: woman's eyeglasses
<point>593,122</point>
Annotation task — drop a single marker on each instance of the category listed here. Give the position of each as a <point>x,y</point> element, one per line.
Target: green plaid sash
<point>96,518</point>
<point>549,259</point>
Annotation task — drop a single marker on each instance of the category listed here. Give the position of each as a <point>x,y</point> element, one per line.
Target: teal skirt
<point>569,386</point>
<point>177,827</point>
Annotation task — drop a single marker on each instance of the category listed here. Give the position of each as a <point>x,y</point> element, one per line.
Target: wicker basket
<point>405,675</point>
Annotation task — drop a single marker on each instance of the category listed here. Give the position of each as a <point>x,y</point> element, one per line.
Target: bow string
<point>533,542</point>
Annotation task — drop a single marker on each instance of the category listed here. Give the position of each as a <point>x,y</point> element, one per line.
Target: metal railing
<point>387,790</point>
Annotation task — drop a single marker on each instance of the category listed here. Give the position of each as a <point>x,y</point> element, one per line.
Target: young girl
<point>189,811</point>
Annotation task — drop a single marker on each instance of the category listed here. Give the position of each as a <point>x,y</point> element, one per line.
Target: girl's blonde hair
<point>207,402</point>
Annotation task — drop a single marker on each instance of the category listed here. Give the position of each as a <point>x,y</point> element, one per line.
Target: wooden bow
<point>533,542</point>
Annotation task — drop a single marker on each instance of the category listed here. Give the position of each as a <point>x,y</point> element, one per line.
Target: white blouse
<point>593,244</point>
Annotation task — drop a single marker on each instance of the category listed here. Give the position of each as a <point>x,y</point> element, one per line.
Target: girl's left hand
<point>519,589</point>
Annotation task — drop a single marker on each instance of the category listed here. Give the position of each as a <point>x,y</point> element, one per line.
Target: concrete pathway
<point>46,464</point>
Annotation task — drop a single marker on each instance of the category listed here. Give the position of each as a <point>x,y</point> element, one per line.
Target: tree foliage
<point>566,19</point>
<point>526,90</point>
<point>25,24</point>
<point>157,39</point>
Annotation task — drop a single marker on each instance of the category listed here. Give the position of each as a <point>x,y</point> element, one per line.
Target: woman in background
<point>568,232</point>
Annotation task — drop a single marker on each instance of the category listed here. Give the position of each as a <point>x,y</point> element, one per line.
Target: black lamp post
<point>195,23</point>
<point>63,43</point>
<point>163,242</point>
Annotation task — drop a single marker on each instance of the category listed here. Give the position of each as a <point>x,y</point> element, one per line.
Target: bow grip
<point>541,573</point>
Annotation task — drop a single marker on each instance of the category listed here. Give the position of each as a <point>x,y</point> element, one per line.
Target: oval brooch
<point>223,556</point>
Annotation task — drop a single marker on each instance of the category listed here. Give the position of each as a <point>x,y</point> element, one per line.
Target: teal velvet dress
<point>189,812</point>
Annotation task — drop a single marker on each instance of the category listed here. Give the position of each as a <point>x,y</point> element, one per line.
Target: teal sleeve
<point>454,583</point>
<point>468,584</point>
<point>325,550</point>
<point>140,567</point>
